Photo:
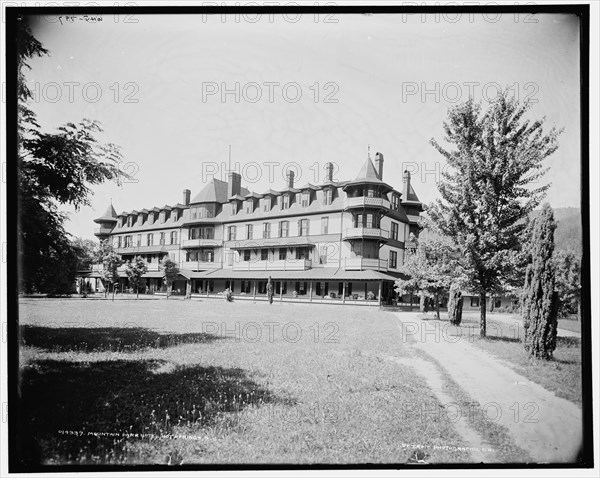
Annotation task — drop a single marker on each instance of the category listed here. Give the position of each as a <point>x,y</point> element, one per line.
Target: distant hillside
<point>568,234</point>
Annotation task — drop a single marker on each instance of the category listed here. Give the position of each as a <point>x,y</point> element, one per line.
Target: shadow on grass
<point>96,339</point>
<point>502,338</point>
<point>144,397</point>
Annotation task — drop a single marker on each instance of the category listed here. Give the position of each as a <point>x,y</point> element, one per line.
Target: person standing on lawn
<point>270,290</point>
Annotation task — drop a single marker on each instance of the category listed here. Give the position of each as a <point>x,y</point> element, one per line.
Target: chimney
<point>234,185</point>
<point>290,178</point>
<point>405,184</point>
<point>329,173</point>
<point>186,197</point>
<point>379,165</point>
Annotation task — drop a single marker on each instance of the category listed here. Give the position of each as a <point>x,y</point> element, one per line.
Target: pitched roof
<point>412,196</point>
<point>215,191</point>
<point>368,172</point>
<point>109,215</point>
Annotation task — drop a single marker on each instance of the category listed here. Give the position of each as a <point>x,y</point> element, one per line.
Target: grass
<point>562,375</point>
<point>155,382</point>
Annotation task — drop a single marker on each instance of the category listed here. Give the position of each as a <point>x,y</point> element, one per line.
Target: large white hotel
<point>339,241</point>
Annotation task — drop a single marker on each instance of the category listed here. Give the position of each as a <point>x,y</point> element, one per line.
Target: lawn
<point>174,381</point>
<point>562,375</point>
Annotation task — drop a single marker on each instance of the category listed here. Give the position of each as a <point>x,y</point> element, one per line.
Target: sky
<point>177,92</point>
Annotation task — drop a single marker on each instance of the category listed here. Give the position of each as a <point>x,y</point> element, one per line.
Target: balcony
<point>291,265</point>
<point>152,267</point>
<point>195,243</point>
<point>367,202</point>
<point>362,263</point>
<point>365,233</point>
<point>200,265</point>
<point>99,231</point>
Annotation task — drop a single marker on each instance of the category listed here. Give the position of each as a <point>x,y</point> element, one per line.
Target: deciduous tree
<point>492,183</point>
<point>135,270</point>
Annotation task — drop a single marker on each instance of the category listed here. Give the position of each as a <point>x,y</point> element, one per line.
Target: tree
<point>490,188</point>
<point>540,300</point>
<point>86,250</point>
<point>568,282</point>
<point>430,268</point>
<point>53,169</point>
<point>135,270</point>
<point>111,262</point>
<point>171,271</point>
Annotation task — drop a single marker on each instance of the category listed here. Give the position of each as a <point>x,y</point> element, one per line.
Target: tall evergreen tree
<point>540,300</point>
<point>490,187</point>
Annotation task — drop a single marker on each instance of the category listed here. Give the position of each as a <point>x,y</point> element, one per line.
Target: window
<point>394,231</point>
<point>266,230</point>
<point>393,259</point>
<point>303,227</point>
<point>247,255</point>
<point>324,225</point>
<point>369,221</point>
<point>249,206</point>
<point>138,242</point>
<point>262,287</point>
<point>209,255</point>
<point>129,221</point>
<point>173,237</point>
<point>300,287</point>
<point>281,287</point>
<point>328,196</point>
<point>162,238</point>
<point>370,193</point>
<point>302,253</point>
<point>127,241</point>
<point>264,254</point>
<point>284,228</point>
<point>359,220</point>
<point>285,201</point>
<point>175,215</point>
<point>474,301</point>
<point>305,198</point>
<point>249,231</point>
<point>267,204</point>
<point>119,242</point>
<point>282,254</point>
<point>231,233</point>
<point>150,239</point>
<point>234,208</point>
<point>395,202</point>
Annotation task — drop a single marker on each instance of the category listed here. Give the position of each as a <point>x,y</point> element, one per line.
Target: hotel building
<point>340,241</point>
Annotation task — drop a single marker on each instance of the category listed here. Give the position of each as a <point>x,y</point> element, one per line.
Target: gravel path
<point>547,427</point>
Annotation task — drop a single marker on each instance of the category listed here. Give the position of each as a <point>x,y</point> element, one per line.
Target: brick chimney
<point>329,173</point>
<point>290,179</point>
<point>186,196</point>
<point>379,165</point>
<point>405,184</point>
<point>234,184</point>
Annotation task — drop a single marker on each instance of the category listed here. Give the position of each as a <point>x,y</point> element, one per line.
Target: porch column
<point>206,286</point>
<point>280,291</point>
<point>343,292</point>
<point>310,293</point>
<point>380,285</point>
<point>254,282</point>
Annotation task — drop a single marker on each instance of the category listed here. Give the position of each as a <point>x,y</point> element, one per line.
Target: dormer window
<point>129,221</point>
<point>285,201</point>
<point>234,208</point>
<point>267,204</point>
<point>305,198</point>
<point>249,206</point>
<point>395,202</point>
<point>328,196</point>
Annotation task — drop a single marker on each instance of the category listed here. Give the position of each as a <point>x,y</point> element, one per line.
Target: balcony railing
<point>152,267</point>
<point>362,263</point>
<point>289,265</point>
<point>102,230</point>
<point>365,201</point>
<point>200,265</point>
<point>201,243</point>
<point>365,232</point>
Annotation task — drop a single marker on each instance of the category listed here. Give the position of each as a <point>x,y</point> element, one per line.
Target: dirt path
<point>519,324</point>
<point>547,427</point>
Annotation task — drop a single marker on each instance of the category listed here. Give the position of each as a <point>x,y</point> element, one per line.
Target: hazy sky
<point>360,79</point>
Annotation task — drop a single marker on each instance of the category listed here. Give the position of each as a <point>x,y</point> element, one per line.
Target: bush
<point>370,295</point>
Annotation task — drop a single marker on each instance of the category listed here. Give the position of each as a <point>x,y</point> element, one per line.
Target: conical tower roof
<point>110,215</point>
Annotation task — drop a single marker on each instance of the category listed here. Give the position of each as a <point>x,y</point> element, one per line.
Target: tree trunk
<point>137,292</point>
<point>482,308</point>
<point>455,305</point>
<point>423,303</point>
<point>437,305</point>
<point>113,295</point>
